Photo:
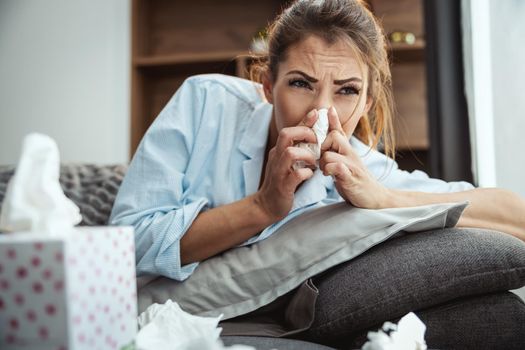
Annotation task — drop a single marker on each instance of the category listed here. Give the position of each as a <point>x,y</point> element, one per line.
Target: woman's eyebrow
<point>306,76</point>
<point>314,80</point>
<point>344,81</point>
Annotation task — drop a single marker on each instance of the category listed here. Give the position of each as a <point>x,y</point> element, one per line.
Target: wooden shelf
<point>184,58</point>
<point>172,40</point>
<point>409,80</point>
<point>413,146</point>
<point>418,45</point>
<point>191,57</point>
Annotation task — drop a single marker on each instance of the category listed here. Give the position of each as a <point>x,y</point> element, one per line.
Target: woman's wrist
<point>392,198</point>
<point>262,213</point>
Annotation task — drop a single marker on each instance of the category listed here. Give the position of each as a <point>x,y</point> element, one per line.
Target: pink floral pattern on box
<point>76,293</point>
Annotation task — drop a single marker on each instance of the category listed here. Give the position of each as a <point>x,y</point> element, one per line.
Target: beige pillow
<point>245,278</point>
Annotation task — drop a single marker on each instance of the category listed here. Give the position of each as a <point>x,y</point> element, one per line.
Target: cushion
<point>245,278</point>
<point>269,343</point>
<point>414,272</point>
<point>486,321</point>
<point>92,188</point>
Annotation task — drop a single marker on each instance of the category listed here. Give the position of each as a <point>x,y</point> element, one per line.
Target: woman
<point>216,168</point>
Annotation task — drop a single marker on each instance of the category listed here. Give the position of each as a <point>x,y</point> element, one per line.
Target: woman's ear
<point>267,83</point>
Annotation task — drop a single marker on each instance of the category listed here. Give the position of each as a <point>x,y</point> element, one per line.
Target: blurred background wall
<point>64,71</point>
<point>508,77</point>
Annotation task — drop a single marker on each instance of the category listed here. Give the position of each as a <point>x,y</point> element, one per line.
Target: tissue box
<point>71,292</point>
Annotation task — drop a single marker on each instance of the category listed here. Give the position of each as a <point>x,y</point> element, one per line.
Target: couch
<point>473,311</point>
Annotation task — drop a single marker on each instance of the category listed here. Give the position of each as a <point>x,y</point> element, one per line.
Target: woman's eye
<point>299,83</point>
<point>349,90</point>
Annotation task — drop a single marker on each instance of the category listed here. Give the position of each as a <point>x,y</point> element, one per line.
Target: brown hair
<point>334,20</point>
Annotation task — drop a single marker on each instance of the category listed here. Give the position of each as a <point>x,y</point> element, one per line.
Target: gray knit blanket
<point>92,188</point>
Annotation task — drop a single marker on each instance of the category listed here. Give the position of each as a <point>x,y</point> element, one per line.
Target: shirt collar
<point>255,136</point>
<point>253,145</point>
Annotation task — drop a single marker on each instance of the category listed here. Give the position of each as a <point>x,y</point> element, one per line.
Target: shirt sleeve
<point>387,171</point>
<point>152,197</point>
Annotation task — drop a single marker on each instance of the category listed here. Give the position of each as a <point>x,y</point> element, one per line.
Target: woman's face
<point>317,75</point>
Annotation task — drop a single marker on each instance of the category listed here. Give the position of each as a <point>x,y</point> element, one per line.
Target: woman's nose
<point>322,100</point>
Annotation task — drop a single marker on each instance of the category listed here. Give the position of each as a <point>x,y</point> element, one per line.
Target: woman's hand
<point>352,179</point>
<point>276,194</point>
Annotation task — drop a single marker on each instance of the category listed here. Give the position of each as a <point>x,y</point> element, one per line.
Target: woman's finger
<point>333,157</point>
<point>292,155</point>
<point>338,171</point>
<point>336,138</point>
<point>300,175</point>
<point>292,135</point>
<point>310,119</point>
<point>333,121</point>
<point>336,141</point>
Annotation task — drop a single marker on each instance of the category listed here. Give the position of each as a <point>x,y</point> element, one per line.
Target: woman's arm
<point>223,227</point>
<point>489,208</point>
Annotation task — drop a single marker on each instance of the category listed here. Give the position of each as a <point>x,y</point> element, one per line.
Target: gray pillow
<point>91,187</point>
<point>428,273</point>
<point>245,278</point>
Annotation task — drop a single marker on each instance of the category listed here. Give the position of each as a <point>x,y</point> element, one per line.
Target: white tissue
<point>408,334</point>
<point>320,129</point>
<point>168,327</point>
<point>34,200</point>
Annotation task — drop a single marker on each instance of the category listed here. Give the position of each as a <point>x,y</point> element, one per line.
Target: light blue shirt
<point>206,149</point>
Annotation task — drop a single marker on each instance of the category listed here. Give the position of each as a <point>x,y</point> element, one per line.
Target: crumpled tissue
<point>167,327</point>
<point>320,129</point>
<point>34,200</point>
<point>408,334</point>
